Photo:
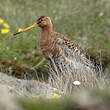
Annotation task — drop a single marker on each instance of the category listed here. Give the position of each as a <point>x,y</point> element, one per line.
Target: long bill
<point>26,29</point>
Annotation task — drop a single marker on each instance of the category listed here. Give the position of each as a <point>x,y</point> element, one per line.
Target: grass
<point>85,22</point>
<point>79,100</point>
<point>83,99</point>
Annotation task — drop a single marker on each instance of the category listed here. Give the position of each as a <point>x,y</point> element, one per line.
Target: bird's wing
<point>71,50</point>
<point>67,45</point>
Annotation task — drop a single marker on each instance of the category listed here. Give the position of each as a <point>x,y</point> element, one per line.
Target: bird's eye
<point>40,21</point>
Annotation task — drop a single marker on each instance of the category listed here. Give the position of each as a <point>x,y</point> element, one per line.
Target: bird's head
<point>43,21</point>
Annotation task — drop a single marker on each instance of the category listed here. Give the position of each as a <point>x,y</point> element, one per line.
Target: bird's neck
<point>46,31</point>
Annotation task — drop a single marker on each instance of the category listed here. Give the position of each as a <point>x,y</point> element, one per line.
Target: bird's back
<point>60,47</point>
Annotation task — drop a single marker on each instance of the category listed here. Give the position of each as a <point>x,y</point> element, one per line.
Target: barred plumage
<point>63,55</point>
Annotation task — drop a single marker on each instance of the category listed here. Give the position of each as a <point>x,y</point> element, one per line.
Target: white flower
<point>15,58</point>
<point>101,14</point>
<point>76,83</point>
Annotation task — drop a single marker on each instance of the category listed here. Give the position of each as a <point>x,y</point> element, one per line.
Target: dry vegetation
<point>86,22</point>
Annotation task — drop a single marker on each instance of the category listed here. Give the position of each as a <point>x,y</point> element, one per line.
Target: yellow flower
<point>5,25</point>
<point>5,31</point>
<point>56,96</point>
<point>19,30</point>
<point>1,21</point>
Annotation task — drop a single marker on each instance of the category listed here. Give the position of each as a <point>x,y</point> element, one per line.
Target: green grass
<point>80,20</point>
<point>79,100</point>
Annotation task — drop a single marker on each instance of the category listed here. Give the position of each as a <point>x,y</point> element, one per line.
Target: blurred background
<point>86,22</point>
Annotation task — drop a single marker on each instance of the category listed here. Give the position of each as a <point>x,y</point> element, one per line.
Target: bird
<point>64,56</point>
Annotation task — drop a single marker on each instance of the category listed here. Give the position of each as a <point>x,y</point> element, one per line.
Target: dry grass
<point>87,77</point>
<point>85,22</point>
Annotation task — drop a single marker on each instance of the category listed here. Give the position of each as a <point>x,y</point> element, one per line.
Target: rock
<point>6,101</point>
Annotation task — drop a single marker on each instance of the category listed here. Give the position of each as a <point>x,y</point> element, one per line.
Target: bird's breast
<point>48,47</point>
